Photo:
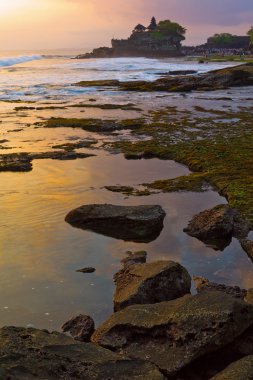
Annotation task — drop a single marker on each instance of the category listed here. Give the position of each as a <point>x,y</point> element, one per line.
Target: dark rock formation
<point>16,162</point>
<point>130,223</point>
<point>214,80</point>
<point>217,226</point>
<point>29,354</point>
<point>80,328</point>
<point>172,334</point>
<point>102,52</point>
<point>240,370</point>
<point>247,245</point>
<point>22,162</point>
<point>150,283</point>
<point>86,270</point>
<point>154,41</point>
<point>204,285</point>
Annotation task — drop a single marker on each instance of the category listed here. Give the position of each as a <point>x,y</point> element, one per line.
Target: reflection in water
<point>40,252</point>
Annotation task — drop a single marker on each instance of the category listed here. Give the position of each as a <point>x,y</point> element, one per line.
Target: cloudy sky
<point>49,24</point>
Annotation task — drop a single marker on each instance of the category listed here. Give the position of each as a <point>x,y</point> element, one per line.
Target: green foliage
<point>167,27</point>
<point>222,39</point>
<point>250,34</point>
<point>157,34</point>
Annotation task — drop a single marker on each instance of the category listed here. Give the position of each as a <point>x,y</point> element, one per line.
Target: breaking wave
<point>4,62</point>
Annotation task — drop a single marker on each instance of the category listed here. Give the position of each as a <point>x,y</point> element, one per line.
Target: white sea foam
<point>11,61</point>
<point>52,76</point>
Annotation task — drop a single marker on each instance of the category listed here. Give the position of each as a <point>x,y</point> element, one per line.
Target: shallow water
<point>40,253</point>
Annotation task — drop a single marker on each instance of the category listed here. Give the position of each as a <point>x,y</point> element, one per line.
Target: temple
<point>161,39</point>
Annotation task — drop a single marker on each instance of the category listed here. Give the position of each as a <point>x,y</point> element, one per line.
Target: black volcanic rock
<point>29,354</point>
<point>216,226</point>
<point>147,283</point>
<point>130,223</point>
<point>173,334</point>
<point>80,328</point>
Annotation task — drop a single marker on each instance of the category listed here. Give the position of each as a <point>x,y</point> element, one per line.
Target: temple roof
<point>153,24</point>
<point>140,27</point>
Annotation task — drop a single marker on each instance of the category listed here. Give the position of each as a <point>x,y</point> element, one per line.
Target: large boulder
<point>239,370</point>
<point>150,283</point>
<point>217,226</point>
<point>29,354</point>
<point>80,328</point>
<point>172,334</point>
<point>130,223</point>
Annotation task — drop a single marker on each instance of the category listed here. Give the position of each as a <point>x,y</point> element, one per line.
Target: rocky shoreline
<point>160,332</point>
<point>241,75</point>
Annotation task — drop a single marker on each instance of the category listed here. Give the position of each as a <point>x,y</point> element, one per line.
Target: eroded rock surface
<point>240,370</point>
<point>203,284</point>
<point>80,328</point>
<point>29,354</point>
<point>130,223</point>
<point>172,334</point>
<point>150,283</point>
<point>247,245</point>
<point>217,226</point>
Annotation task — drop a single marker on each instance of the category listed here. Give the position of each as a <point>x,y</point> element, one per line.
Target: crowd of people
<point>208,52</point>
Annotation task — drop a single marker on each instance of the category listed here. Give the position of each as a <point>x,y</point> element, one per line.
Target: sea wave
<point>11,61</point>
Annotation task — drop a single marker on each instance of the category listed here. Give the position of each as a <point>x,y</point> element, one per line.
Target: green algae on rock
<point>93,125</point>
<point>241,75</point>
<point>219,149</point>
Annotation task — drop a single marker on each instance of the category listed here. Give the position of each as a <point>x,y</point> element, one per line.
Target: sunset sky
<point>49,24</point>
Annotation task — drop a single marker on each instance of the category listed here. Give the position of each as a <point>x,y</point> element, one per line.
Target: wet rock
<point>16,162</point>
<point>247,245</point>
<point>139,257</point>
<point>240,370</point>
<point>28,354</point>
<point>216,226</point>
<point>249,296</point>
<point>241,75</point>
<point>130,223</point>
<point>86,270</point>
<point>150,283</point>
<point>203,284</point>
<point>80,328</point>
<point>172,334</point>
<point>60,155</point>
<point>22,162</point>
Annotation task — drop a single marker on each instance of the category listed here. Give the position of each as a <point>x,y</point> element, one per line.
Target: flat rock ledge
<point>216,226</point>
<point>29,354</point>
<point>239,370</point>
<point>129,223</point>
<point>173,334</point>
<point>204,285</point>
<point>148,283</point>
